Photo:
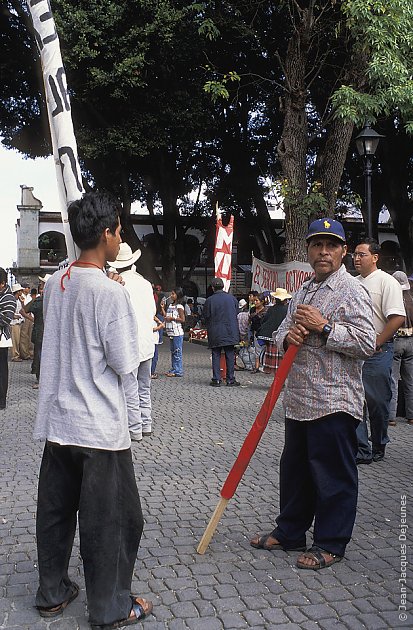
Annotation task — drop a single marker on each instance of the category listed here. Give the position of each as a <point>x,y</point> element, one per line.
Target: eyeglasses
<point>359,255</point>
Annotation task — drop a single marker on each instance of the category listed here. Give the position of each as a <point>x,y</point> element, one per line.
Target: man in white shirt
<point>143,303</point>
<point>389,314</point>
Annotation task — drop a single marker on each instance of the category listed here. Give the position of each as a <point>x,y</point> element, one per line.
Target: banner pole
<point>249,446</point>
<point>68,174</point>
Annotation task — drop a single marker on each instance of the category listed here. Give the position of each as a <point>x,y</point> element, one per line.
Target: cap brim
<point>340,238</point>
<point>121,264</point>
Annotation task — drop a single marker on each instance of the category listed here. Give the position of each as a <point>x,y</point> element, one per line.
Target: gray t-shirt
<point>90,340</point>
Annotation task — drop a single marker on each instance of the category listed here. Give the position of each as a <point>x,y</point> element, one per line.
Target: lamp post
<point>367,142</point>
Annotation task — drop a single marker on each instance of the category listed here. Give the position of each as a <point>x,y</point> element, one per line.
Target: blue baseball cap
<point>326,227</point>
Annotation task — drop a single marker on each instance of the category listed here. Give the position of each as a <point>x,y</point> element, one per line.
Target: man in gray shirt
<point>89,344</point>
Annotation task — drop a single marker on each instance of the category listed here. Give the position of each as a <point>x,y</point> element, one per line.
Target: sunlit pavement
<point>197,433</point>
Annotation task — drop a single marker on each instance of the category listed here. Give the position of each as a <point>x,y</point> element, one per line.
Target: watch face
<point>327,329</point>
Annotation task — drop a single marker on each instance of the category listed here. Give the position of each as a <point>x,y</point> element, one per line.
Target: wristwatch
<point>327,328</point>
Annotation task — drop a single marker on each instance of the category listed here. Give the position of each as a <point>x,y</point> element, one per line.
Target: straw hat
<point>242,303</point>
<point>281,294</point>
<point>402,279</point>
<point>45,278</point>
<point>16,287</point>
<point>125,257</point>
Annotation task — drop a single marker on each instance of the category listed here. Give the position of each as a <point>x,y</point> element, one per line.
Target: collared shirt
<point>325,377</point>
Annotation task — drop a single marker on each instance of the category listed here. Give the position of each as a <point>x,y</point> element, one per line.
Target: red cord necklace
<point>76,263</point>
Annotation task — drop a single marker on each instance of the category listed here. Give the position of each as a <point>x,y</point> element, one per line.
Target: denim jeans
<point>155,360</point>
<point>99,488</point>
<point>176,355</point>
<point>377,389</point>
<point>402,368</point>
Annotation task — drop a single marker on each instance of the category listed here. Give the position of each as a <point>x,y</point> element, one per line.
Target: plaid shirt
<point>325,377</point>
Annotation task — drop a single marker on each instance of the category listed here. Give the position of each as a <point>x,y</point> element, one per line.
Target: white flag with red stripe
<point>223,250</point>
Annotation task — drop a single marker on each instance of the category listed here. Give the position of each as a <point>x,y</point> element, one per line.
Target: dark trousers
<point>318,480</point>
<point>37,353</point>
<point>4,376</point>
<point>229,360</point>
<point>100,487</point>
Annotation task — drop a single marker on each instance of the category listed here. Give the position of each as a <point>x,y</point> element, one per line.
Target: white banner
<point>289,276</point>
<point>69,179</point>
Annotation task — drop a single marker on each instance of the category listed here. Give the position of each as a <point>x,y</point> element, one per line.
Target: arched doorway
<point>52,246</point>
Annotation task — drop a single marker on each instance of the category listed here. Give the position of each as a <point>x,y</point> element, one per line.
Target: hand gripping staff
<point>249,446</point>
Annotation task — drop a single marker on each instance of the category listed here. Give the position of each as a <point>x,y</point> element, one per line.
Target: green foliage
<point>217,89</point>
<point>381,30</point>
<point>157,113</point>
<point>312,204</point>
<point>208,29</point>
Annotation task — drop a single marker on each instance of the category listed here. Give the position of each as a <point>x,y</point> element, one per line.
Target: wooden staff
<point>249,446</point>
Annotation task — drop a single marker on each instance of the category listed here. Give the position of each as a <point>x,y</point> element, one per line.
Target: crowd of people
<point>92,332</point>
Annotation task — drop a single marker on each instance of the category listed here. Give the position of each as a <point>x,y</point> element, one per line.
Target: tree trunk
<point>292,148</point>
<point>143,265</point>
<point>330,161</point>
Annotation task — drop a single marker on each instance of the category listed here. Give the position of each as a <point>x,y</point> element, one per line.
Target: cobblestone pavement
<point>198,431</point>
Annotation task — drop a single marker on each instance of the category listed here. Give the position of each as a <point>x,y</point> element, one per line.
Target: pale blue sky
<point>14,171</point>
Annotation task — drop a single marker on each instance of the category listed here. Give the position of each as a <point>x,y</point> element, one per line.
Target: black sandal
<point>316,554</point>
<point>262,543</point>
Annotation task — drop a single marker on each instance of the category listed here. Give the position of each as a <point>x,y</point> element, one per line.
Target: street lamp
<point>367,142</point>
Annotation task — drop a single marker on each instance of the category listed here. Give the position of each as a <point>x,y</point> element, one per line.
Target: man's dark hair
<point>33,292</point>
<point>253,292</point>
<point>217,284</point>
<point>3,276</point>
<point>374,247</point>
<point>91,215</point>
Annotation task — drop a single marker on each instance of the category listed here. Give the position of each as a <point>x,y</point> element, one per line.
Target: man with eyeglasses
<point>331,320</point>
<point>389,314</point>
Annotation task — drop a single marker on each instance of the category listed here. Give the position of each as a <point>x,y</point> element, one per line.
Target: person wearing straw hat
<point>16,322</point>
<point>141,296</point>
<point>402,368</point>
<point>270,324</point>
<point>87,473</point>
<point>26,345</point>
